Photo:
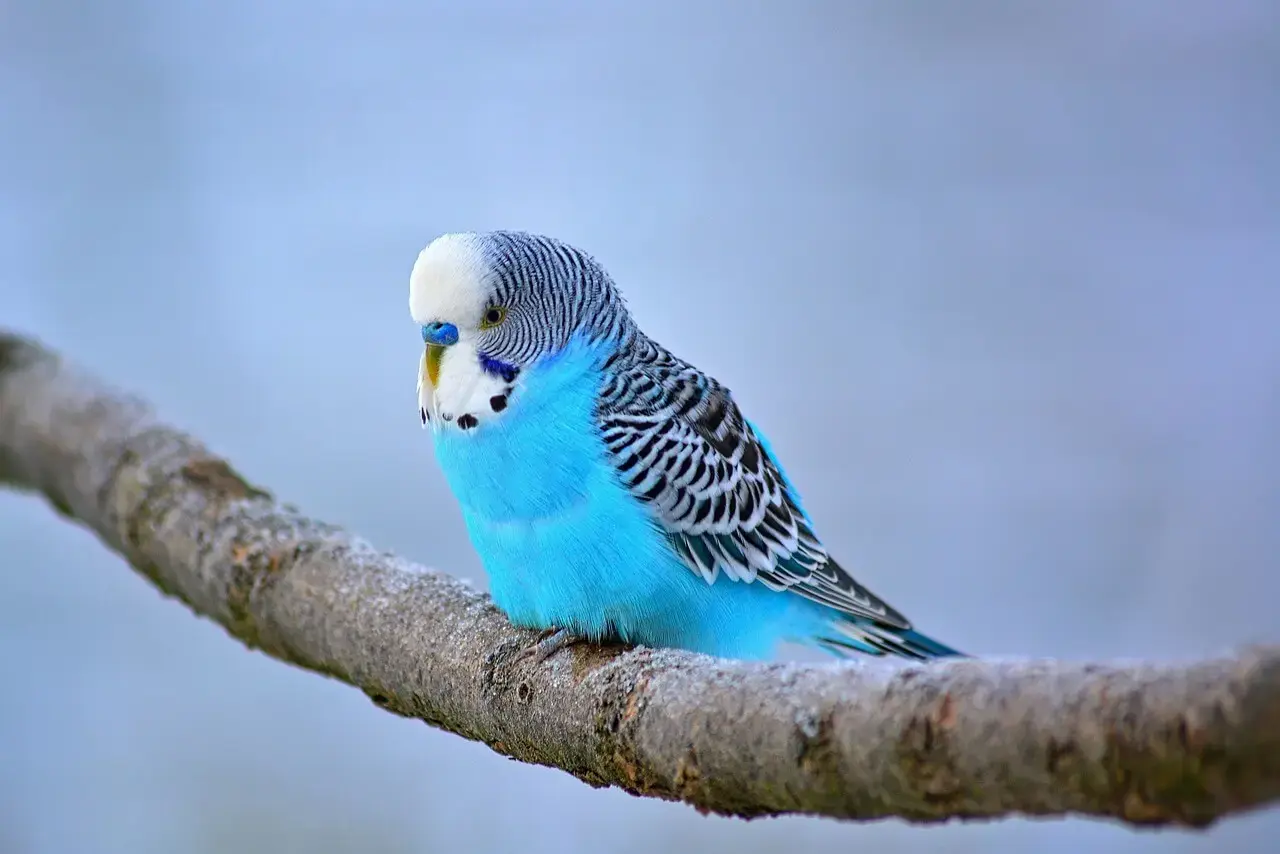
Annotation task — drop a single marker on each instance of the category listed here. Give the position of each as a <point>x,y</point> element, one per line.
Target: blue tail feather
<point>878,639</point>
<point>927,645</point>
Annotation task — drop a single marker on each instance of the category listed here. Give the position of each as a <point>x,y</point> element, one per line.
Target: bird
<point>613,491</point>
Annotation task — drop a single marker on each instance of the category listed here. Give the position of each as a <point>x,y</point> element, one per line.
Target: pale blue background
<point>1000,279</point>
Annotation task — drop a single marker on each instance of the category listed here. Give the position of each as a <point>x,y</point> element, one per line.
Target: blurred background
<point>1001,280</point>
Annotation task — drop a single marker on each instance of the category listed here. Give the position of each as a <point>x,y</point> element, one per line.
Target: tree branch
<point>1144,743</point>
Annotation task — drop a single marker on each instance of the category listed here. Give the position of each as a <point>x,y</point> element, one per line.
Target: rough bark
<point>1143,743</point>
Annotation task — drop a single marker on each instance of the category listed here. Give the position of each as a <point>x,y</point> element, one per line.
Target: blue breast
<point>533,461</point>
<point>566,545</point>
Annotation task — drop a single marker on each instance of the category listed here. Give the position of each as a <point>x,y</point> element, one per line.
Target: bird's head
<point>491,305</point>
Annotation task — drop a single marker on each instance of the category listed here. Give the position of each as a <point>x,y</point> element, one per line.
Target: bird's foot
<point>548,643</point>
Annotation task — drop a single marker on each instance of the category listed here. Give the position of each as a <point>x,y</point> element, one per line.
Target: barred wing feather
<point>681,445</point>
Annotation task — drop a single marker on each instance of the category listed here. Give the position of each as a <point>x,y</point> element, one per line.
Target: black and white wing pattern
<point>682,446</point>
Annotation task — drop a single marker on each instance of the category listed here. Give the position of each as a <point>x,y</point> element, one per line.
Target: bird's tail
<point>880,639</point>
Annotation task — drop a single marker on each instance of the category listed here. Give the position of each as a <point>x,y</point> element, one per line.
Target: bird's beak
<point>428,376</point>
<point>436,336</point>
<point>431,359</point>
<point>444,334</point>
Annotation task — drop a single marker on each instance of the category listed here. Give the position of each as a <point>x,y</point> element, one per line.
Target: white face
<point>449,284</point>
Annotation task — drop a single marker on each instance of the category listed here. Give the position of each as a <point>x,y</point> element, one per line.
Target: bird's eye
<point>493,317</point>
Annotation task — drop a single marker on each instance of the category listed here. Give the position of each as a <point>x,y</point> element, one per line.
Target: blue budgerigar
<point>612,490</point>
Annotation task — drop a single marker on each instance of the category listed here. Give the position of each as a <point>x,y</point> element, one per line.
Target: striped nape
<point>558,291</point>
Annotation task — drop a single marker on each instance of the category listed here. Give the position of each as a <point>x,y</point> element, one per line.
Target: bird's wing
<point>680,444</point>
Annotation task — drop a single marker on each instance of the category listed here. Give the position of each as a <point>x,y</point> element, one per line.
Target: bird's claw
<point>548,643</point>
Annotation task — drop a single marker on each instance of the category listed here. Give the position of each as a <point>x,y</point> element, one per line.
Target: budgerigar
<point>612,490</point>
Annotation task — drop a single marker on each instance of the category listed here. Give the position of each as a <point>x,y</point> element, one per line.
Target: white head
<point>449,281</point>
<point>489,306</point>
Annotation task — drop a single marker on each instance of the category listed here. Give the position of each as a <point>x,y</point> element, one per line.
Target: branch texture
<point>1143,743</point>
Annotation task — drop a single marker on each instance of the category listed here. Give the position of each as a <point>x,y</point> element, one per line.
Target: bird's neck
<point>536,455</point>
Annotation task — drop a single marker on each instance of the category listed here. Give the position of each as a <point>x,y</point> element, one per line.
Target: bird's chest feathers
<point>537,457</point>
